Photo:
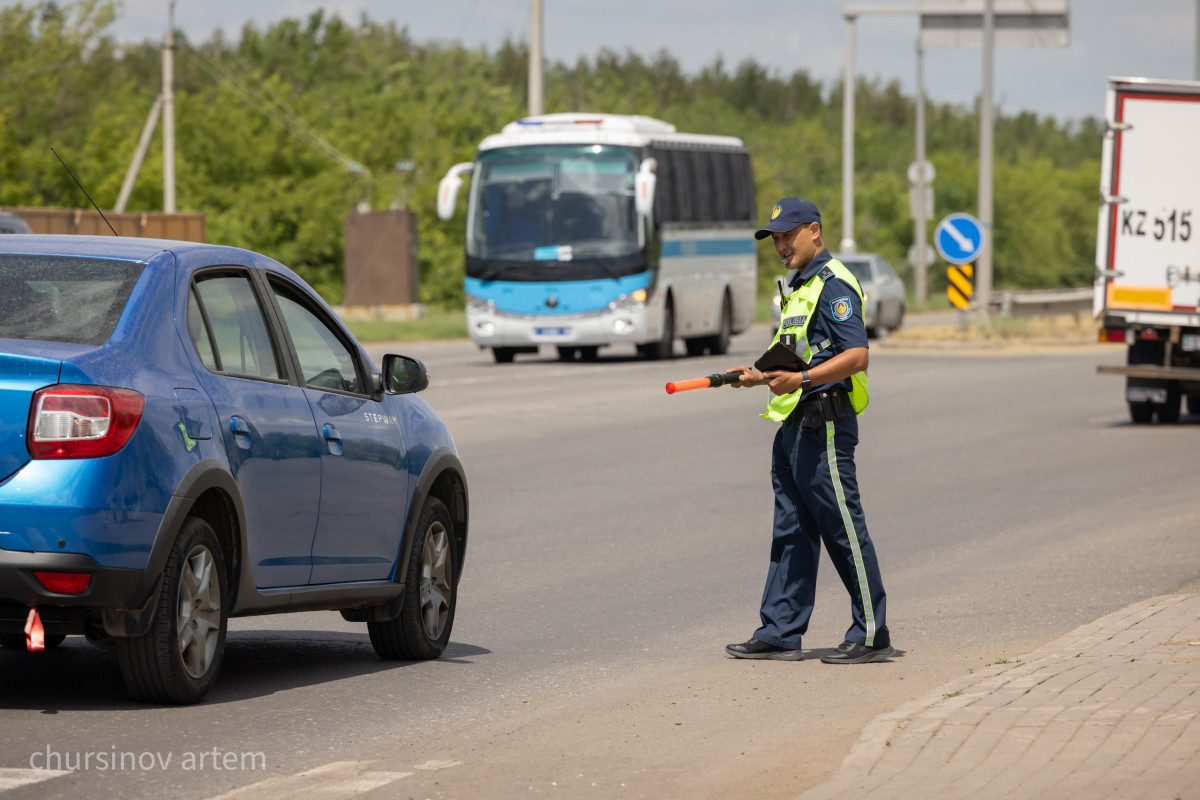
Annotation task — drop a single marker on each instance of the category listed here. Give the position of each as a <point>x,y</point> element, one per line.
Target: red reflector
<point>64,582</point>
<point>1150,335</point>
<point>1112,334</point>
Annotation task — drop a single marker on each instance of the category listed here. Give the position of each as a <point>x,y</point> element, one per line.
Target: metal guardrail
<point>1043,302</point>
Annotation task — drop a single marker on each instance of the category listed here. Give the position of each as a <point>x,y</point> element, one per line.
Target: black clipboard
<point>780,358</point>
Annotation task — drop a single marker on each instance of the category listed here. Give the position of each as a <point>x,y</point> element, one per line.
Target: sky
<point>1128,38</point>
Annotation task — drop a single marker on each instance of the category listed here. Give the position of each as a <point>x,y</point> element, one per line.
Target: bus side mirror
<point>448,188</point>
<point>644,185</point>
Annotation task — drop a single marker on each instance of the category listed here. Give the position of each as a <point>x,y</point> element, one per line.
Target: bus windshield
<point>554,203</point>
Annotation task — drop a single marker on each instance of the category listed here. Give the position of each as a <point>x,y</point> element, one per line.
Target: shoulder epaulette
<point>826,273</point>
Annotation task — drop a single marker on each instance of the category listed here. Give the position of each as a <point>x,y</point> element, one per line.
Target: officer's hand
<point>750,377</point>
<point>782,382</point>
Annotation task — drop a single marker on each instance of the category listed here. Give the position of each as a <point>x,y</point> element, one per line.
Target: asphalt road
<point>618,541</point>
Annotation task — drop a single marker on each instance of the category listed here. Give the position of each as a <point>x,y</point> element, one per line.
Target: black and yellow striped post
<point>961,285</point>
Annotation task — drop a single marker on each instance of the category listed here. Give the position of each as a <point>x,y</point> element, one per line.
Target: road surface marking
<point>11,778</point>
<point>341,779</point>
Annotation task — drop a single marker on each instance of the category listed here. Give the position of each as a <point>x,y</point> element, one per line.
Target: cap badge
<point>776,211</point>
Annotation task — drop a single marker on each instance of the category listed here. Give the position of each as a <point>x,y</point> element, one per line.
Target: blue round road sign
<point>959,238</point>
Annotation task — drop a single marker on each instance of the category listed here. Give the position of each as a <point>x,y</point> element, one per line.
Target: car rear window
<point>859,269</point>
<point>63,298</point>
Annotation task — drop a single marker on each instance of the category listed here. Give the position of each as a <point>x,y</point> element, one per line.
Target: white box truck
<point>1148,243</point>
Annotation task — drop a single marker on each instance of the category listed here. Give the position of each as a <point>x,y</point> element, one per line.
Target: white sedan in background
<point>883,292</point>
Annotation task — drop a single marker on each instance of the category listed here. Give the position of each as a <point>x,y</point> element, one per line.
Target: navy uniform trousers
<point>816,500</point>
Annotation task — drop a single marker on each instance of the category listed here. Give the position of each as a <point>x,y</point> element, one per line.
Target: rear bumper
<point>112,596</point>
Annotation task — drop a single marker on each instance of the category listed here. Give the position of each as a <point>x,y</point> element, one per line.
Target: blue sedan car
<point>188,433</point>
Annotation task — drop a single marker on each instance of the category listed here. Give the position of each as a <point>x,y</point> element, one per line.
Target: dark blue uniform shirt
<point>842,334</point>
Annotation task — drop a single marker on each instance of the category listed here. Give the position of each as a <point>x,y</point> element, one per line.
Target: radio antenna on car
<point>85,193</point>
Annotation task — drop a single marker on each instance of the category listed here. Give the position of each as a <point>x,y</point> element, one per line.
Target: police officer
<point>812,459</point>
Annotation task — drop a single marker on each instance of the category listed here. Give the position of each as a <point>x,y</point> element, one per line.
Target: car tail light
<point>64,582</point>
<point>69,421</point>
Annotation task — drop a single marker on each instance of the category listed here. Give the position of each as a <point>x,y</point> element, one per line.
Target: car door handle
<point>240,431</point>
<point>332,438</point>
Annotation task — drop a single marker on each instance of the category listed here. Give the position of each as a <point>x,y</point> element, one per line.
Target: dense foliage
<point>268,126</point>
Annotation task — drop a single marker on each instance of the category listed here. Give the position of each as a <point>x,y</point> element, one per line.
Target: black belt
<point>817,408</point>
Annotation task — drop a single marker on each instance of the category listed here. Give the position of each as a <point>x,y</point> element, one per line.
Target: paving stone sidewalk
<point>1111,710</point>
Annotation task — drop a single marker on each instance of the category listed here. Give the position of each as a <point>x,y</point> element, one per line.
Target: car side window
<point>325,362</point>
<point>198,332</point>
<point>232,322</point>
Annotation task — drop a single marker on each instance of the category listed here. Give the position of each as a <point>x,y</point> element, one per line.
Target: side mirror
<point>644,185</point>
<point>403,375</point>
<point>448,188</point>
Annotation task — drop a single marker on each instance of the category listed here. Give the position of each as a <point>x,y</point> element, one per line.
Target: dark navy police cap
<point>788,213</point>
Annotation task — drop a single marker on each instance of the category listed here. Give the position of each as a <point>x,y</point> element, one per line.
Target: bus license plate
<point>552,333</point>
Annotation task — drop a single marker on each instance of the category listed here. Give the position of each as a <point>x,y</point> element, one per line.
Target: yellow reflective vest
<point>796,313</point>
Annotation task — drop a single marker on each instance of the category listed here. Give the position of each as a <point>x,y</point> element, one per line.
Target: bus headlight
<point>485,327</point>
<point>623,326</point>
<point>478,305</point>
<point>629,302</point>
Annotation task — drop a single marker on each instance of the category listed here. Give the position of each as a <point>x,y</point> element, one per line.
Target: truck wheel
<point>422,630</point>
<point>177,660</point>
<point>1168,412</point>
<point>1193,403</point>
<point>1141,413</point>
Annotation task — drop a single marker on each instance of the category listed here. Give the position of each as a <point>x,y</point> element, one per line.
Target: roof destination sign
<point>959,238</point>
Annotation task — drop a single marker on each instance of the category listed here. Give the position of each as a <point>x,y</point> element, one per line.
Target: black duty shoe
<point>756,649</point>
<point>855,653</point>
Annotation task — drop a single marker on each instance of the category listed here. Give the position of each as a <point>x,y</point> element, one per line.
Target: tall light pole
<point>983,266</point>
<point>536,106</point>
<point>168,76</point>
<point>920,249</point>
<point>848,245</point>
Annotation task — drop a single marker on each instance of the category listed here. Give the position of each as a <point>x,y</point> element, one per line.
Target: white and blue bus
<point>588,230</point>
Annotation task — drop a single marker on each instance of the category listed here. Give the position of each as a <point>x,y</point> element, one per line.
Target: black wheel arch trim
<point>205,475</point>
<point>443,463</point>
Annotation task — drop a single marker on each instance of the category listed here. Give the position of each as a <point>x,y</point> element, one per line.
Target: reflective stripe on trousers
<point>817,500</point>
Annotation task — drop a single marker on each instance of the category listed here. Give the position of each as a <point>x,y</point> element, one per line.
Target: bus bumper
<point>491,328</point>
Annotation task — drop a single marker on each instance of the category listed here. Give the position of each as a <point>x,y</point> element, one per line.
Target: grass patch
<point>1065,328</point>
<point>437,323</point>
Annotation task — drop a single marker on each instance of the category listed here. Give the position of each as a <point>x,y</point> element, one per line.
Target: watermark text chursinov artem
<point>114,760</point>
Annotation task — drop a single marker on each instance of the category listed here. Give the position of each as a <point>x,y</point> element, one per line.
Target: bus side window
<point>710,180</point>
<point>666,194</point>
<point>688,187</point>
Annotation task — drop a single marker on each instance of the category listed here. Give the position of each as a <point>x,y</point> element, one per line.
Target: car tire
<point>178,659</point>
<point>422,630</point>
<point>16,641</point>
